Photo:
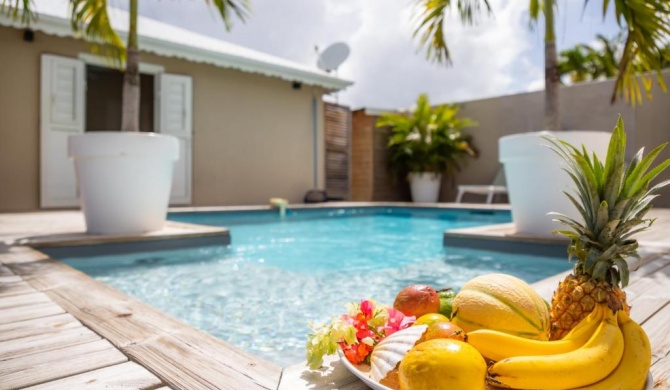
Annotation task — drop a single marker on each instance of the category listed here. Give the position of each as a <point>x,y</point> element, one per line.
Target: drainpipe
<point>315,130</point>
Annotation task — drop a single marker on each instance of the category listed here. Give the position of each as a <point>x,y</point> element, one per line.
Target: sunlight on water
<point>261,292</point>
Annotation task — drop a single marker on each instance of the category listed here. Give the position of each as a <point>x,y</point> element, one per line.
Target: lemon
<point>431,318</point>
<point>442,364</point>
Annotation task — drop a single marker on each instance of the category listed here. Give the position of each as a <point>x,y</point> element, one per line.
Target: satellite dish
<point>334,55</point>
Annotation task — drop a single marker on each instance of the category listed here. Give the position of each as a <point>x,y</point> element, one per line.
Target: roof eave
<point>60,27</point>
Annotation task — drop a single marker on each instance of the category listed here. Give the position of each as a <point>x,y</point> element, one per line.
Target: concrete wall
<point>252,135</point>
<point>585,107</point>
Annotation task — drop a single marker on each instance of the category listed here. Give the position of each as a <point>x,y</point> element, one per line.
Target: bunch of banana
<point>605,351</point>
<point>495,345</point>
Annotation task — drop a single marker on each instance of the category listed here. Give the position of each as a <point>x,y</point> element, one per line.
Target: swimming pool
<point>260,292</point>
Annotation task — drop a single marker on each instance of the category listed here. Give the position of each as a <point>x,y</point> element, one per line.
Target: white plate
<point>362,371</point>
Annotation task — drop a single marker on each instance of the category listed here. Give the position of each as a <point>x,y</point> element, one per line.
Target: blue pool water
<point>260,292</point>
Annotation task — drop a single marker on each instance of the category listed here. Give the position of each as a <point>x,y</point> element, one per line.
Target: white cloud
<point>498,56</point>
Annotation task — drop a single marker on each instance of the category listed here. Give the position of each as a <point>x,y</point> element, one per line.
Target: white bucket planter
<point>124,179</point>
<point>425,186</point>
<point>536,181</point>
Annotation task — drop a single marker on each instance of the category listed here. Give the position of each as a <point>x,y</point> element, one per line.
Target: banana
<point>586,365</point>
<point>496,345</point>
<point>591,322</point>
<point>631,373</point>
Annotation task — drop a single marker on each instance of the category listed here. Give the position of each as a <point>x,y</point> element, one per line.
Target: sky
<point>500,55</point>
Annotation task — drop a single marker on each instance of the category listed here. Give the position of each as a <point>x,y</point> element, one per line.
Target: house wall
<point>252,134</point>
<point>585,107</point>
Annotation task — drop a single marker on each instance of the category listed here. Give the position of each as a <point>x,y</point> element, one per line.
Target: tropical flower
<point>356,333</point>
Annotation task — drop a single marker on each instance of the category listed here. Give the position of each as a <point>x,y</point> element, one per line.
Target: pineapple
<point>612,199</point>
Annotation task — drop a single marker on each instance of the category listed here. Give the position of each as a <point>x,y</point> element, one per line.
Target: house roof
<point>171,41</point>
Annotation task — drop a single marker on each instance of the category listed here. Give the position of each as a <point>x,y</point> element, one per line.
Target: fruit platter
<point>497,331</point>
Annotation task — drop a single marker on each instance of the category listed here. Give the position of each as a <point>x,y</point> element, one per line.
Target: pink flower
<point>397,321</point>
<point>367,308</point>
<point>372,324</point>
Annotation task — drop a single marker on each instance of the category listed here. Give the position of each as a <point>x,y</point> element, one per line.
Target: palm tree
<point>575,63</point>
<point>90,18</point>
<point>646,22</point>
<point>584,62</point>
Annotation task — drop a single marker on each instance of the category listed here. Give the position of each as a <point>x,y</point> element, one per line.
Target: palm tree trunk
<point>552,111</point>
<point>130,114</point>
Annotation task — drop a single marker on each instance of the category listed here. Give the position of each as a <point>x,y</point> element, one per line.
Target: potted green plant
<point>426,143</point>
<point>124,177</point>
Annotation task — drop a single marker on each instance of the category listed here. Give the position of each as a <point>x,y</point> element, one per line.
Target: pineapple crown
<point>613,199</point>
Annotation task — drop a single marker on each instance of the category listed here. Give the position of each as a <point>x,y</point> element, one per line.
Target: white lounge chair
<point>497,188</point>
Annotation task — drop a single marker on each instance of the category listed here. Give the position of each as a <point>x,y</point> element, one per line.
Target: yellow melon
<point>504,303</point>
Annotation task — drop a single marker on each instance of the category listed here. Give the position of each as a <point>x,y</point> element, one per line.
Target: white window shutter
<point>62,110</point>
<point>174,116</point>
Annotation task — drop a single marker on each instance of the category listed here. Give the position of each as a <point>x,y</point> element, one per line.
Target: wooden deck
<point>60,329</point>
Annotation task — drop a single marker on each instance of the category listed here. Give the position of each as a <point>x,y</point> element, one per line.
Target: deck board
<point>122,376</point>
<point>24,300</point>
<point>22,313</point>
<point>16,288</point>
<point>36,326</point>
<point>56,364</point>
<point>45,342</point>
<point>4,271</point>
<point>10,279</point>
<point>649,294</point>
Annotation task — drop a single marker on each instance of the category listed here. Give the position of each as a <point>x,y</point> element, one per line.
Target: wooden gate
<point>338,130</point>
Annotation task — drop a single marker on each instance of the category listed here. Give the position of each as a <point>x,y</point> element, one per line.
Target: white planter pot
<point>124,179</point>
<point>425,186</point>
<point>536,181</point>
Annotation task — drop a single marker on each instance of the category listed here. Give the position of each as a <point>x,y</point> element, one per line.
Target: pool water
<point>260,292</point>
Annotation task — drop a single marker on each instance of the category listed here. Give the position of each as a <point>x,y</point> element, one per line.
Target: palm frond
<point>21,10</point>
<point>240,8</point>
<point>90,18</point>
<point>430,24</point>
<point>647,23</point>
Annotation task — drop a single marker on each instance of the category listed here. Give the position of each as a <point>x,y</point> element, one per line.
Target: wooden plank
<point>40,343</point>
<point>649,294</point>
<point>43,325</point>
<point>24,300</point>
<point>9,279</point>
<point>661,373</point>
<point>122,376</point>
<point>23,313</point>
<point>16,288</point>
<point>152,338</point>
<point>4,271</point>
<point>657,331</point>
<point>206,368</point>
<point>49,366</point>
<point>333,375</point>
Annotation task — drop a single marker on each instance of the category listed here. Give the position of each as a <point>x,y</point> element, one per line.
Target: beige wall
<point>584,107</point>
<point>252,135</point>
